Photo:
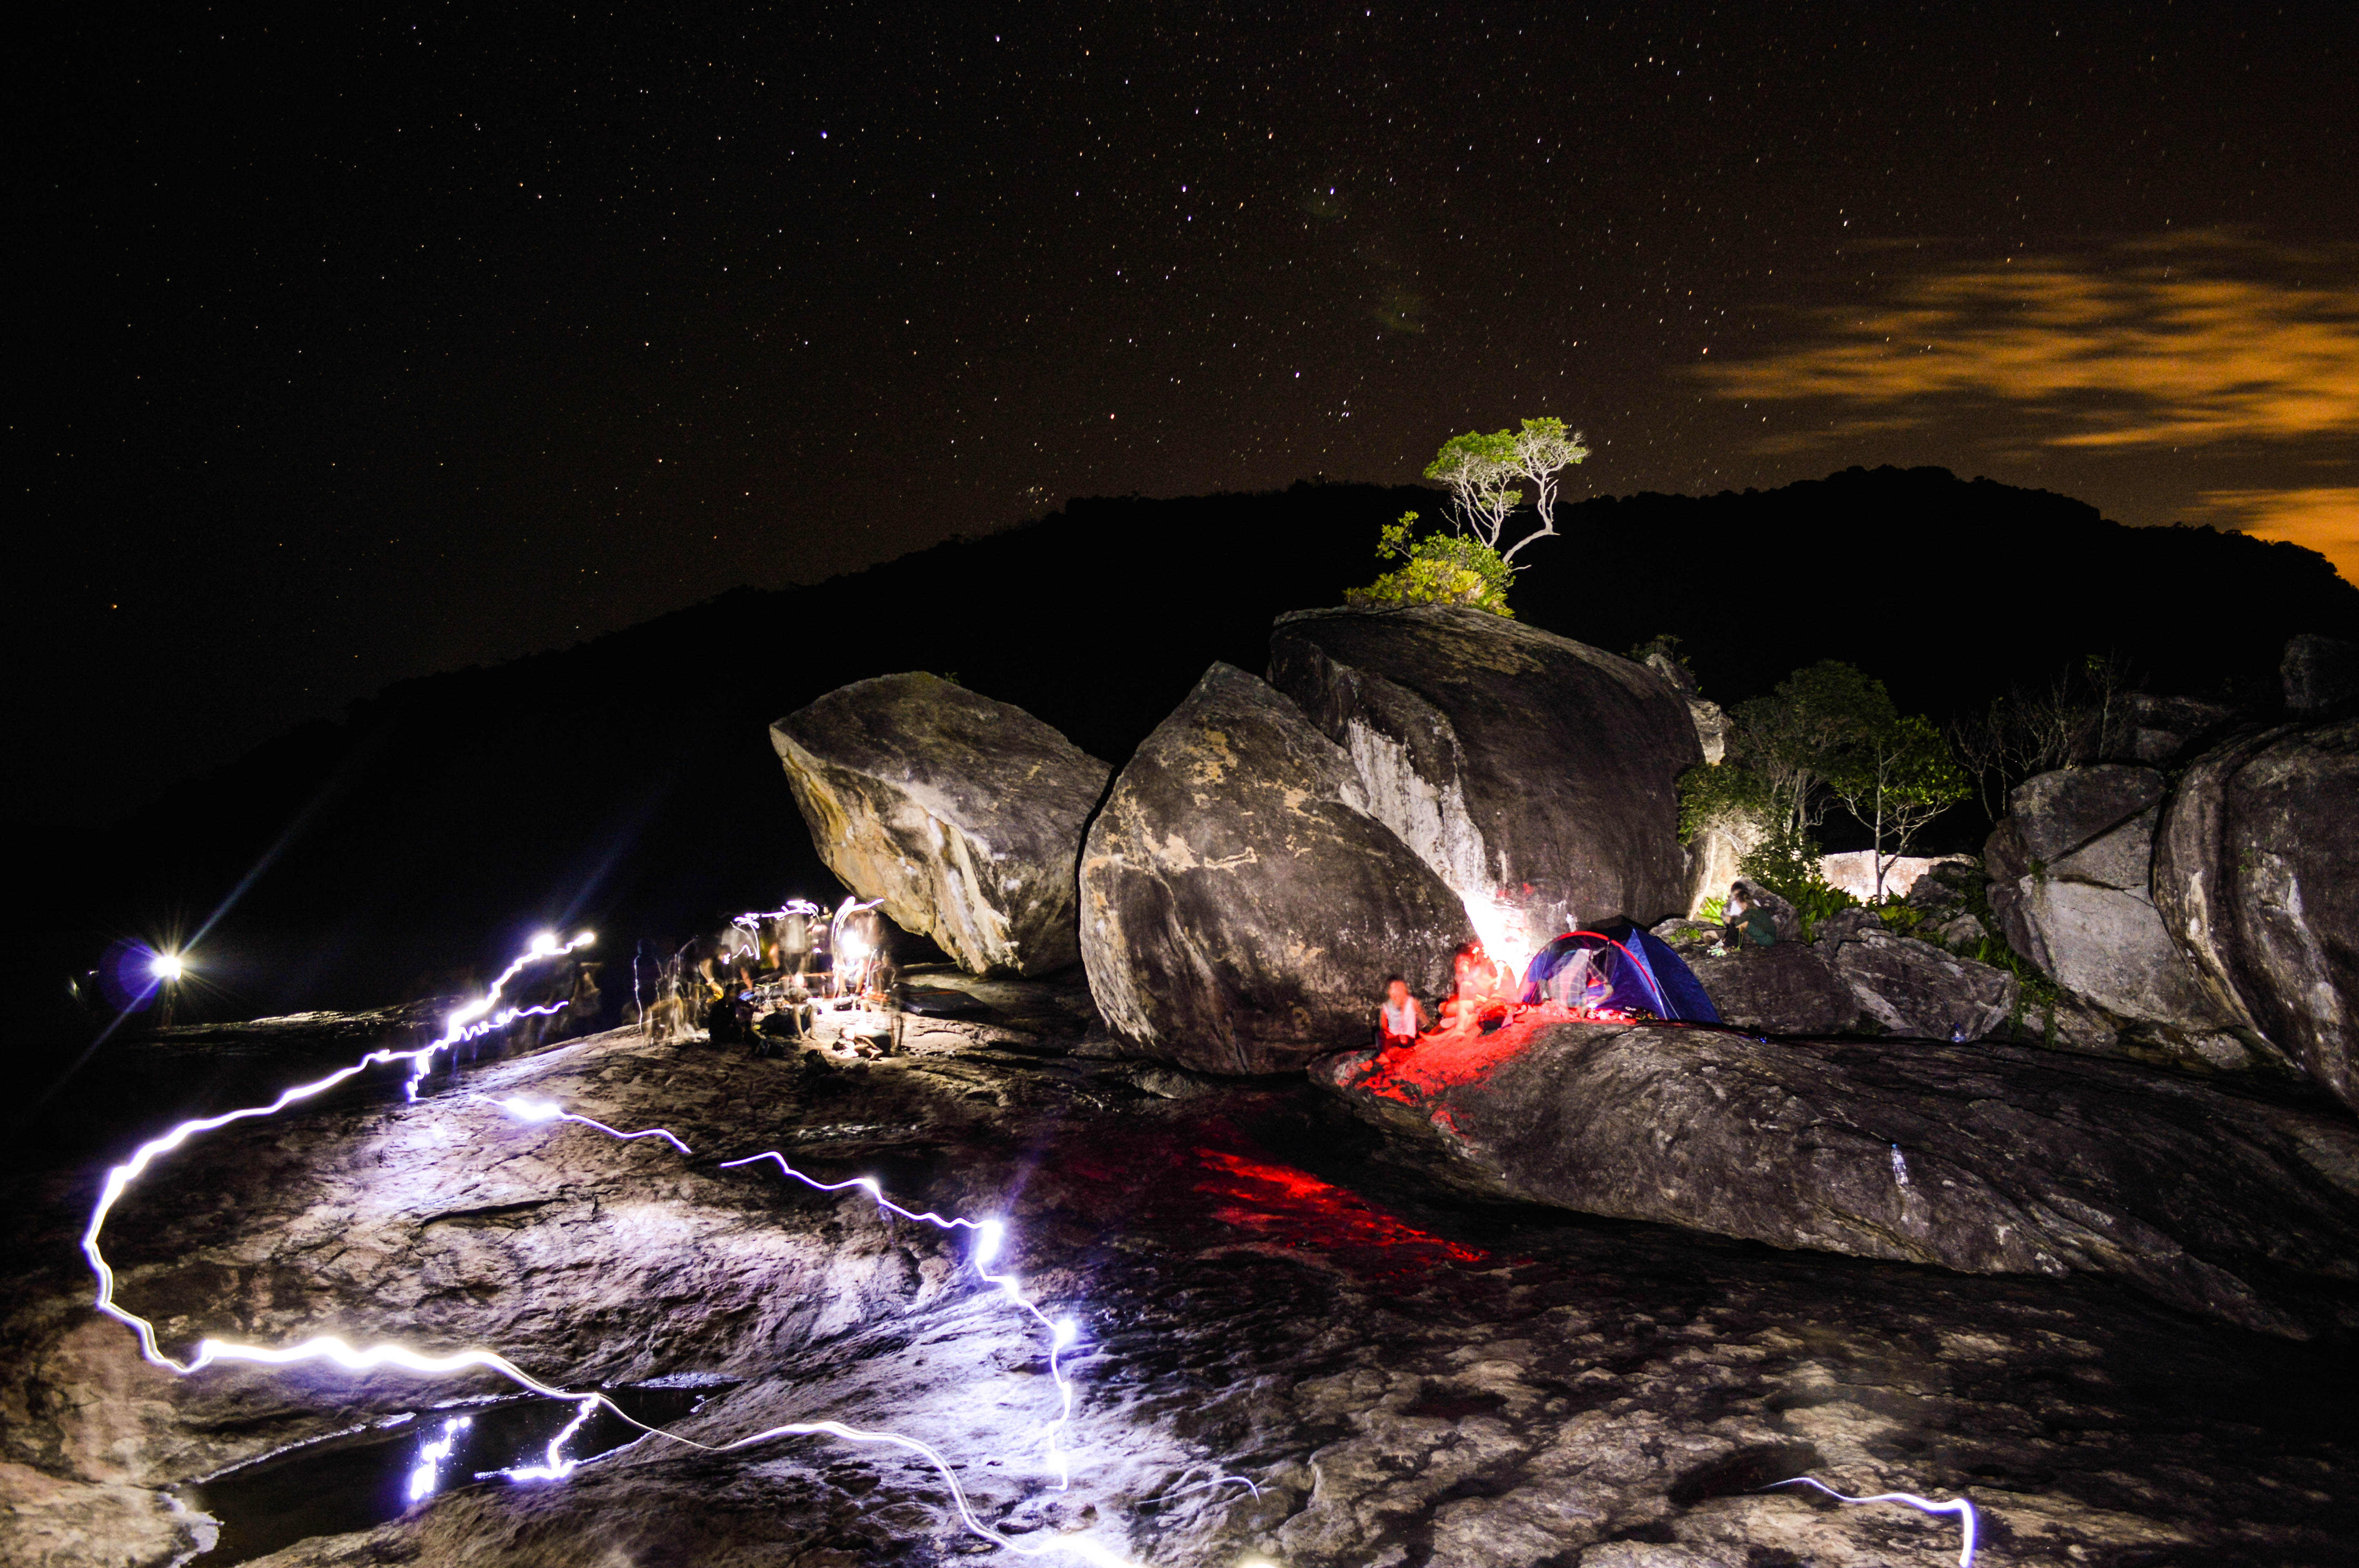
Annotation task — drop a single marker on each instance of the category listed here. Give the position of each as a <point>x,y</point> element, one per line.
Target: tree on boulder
<point>1486,476</point>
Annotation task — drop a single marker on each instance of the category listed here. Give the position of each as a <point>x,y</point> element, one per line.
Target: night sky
<point>346,348</point>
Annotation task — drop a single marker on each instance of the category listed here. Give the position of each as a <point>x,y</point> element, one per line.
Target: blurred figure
<point>1401,1019</point>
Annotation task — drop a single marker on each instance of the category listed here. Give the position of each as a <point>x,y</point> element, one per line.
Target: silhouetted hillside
<point>628,783</point>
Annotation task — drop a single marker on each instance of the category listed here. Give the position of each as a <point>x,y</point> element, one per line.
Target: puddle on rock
<point>358,1479</point>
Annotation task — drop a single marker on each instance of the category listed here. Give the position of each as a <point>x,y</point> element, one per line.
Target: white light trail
<point>1958,1506</point>
<point>471,1022</point>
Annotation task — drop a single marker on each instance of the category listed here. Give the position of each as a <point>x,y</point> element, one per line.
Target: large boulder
<point>1240,905</point>
<point>1908,987</point>
<point>1504,756</point>
<point>2257,876</point>
<point>962,814</point>
<point>1986,1158</point>
<point>2071,868</point>
<point>1789,989</point>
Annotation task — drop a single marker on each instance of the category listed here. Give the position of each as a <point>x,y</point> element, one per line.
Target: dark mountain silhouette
<point>627,783</point>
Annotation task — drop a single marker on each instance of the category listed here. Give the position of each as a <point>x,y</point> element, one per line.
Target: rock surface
<point>2009,1163</point>
<point>962,814</point>
<point>1854,872</point>
<point>2257,876</point>
<point>2319,674</point>
<point>1503,754</point>
<point>2072,869</point>
<point>1240,906</point>
<point>1404,1379</point>
<point>1914,988</point>
<point>1788,989</point>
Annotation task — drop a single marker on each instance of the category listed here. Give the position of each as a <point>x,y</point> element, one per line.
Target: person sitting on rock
<point>1750,922</point>
<point>1486,988</point>
<point>1401,1019</point>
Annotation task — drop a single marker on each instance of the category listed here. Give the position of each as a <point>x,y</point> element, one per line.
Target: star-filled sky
<point>352,347</point>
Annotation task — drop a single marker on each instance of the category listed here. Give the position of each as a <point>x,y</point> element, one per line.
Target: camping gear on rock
<point>1621,970</point>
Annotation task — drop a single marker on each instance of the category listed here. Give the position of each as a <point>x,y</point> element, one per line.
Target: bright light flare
<point>166,968</point>
<point>428,1470</point>
<point>1958,1506</point>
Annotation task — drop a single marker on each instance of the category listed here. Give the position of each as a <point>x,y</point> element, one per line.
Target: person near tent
<point>1401,1019</point>
<point>1749,924</point>
<point>1486,990</point>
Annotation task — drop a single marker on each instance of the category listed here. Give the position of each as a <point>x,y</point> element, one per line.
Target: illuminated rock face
<point>1788,989</point>
<point>2012,1161</point>
<point>1503,754</point>
<point>2257,876</point>
<point>962,814</point>
<point>1241,906</point>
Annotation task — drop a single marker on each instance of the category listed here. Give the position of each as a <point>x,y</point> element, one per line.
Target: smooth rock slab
<point>1240,906</point>
<point>962,814</point>
<point>1504,755</point>
<point>2010,1162</point>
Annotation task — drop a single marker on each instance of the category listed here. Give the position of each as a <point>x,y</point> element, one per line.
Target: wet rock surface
<point>1261,1291</point>
<point>962,814</point>
<point>1236,890</point>
<point>1981,1158</point>
<point>1503,754</point>
<point>2256,878</point>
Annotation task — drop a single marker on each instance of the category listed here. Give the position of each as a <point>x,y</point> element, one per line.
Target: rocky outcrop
<point>1710,718</point>
<point>2256,877</point>
<point>1715,852</point>
<point>2319,674</point>
<point>1986,1158</point>
<point>1399,1377</point>
<point>2070,867</point>
<point>1503,754</point>
<point>1789,989</point>
<point>1241,905</point>
<point>2157,731</point>
<point>962,814</point>
<point>1908,987</point>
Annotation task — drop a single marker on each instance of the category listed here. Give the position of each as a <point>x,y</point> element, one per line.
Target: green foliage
<point>1486,474</point>
<point>1787,863</point>
<point>1721,794</point>
<point>1714,911</point>
<point>1442,568</point>
<point>1896,776</point>
<point>1804,731</point>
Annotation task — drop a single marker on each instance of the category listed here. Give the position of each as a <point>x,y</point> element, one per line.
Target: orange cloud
<point>2324,518</point>
<point>2162,348</point>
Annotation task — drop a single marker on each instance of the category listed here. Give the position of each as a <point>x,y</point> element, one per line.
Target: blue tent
<point>1624,969</point>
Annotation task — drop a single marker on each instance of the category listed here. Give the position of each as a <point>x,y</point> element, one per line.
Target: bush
<point>1443,569</point>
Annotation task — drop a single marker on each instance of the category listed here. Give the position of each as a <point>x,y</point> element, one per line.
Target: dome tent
<point>1622,970</point>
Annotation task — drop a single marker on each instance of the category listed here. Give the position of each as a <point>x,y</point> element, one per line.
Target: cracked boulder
<point>1505,756</point>
<point>2256,877</point>
<point>1985,1159</point>
<point>962,814</point>
<point>1241,904</point>
<point>1913,988</point>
